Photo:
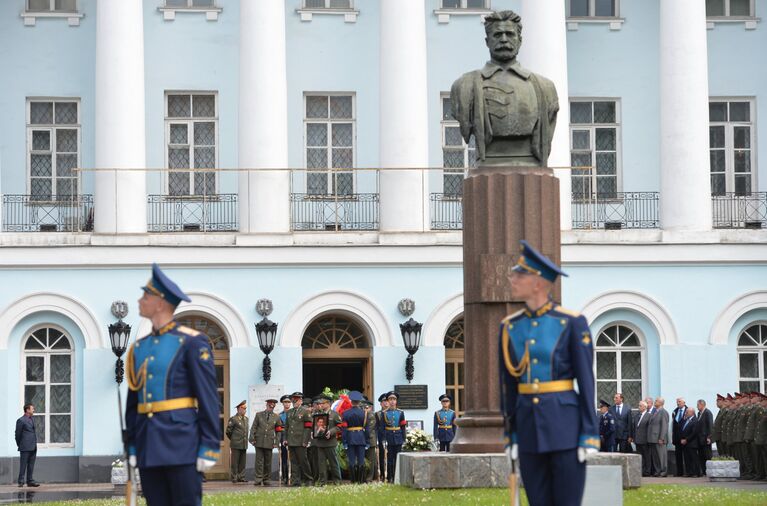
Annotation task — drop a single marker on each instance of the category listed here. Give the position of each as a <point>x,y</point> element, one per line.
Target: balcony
<point>446,211</point>
<point>348,212</point>
<point>192,213</point>
<point>621,210</point>
<point>738,210</point>
<point>46,213</point>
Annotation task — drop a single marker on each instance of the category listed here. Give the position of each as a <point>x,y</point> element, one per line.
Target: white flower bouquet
<point>418,441</point>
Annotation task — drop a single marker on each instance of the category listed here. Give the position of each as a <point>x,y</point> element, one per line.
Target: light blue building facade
<point>677,308</point>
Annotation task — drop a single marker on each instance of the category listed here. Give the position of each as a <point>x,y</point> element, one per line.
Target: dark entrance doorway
<point>333,374</point>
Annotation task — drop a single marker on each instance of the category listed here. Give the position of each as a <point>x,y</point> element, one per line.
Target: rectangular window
<point>191,133</point>
<point>595,147</point>
<point>730,8</point>
<point>457,156</point>
<point>329,143</point>
<point>328,4</point>
<point>465,4</point>
<point>593,8</point>
<point>53,148</point>
<point>731,137</point>
<point>189,4</point>
<point>51,5</point>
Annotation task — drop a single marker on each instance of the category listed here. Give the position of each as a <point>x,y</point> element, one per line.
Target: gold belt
<point>393,428</point>
<point>354,429</point>
<point>444,426</point>
<point>167,405</point>
<point>546,387</point>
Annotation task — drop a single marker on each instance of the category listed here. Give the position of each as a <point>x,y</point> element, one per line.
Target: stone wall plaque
<point>495,272</point>
<point>412,396</point>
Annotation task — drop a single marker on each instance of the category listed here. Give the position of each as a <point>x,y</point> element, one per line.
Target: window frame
<point>591,127</point>
<point>211,12</point>
<point>189,122</point>
<point>46,354</point>
<point>464,6</point>
<point>330,188</point>
<point>444,125</point>
<point>728,16</point>
<point>592,12</point>
<point>30,16</point>
<point>618,349</point>
<point>760,350</point>
<point>349,13</point>
<point>53,148</point>
<point>52,8</point>
<point>729,148</point>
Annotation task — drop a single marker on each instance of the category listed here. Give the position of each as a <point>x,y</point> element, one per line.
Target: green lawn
<point>379,494</point>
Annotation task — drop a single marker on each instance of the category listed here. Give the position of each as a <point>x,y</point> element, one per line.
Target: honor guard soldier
<point>172,412</point>
<point>396,434</point>
<point>355,437</point>
<point>372,448</point>
<point>606,427</point>
<point>264,435</point>
<point>543,349</point>
<point>311,448</point>
<point>381,435</point>
<point>284,475</point>
<point>444,424</point>
<point>298,430</point>
<point>325,441</point>
<point>237,432</point>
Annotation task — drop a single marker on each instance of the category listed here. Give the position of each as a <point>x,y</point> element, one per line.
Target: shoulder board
<point>562,310</point>
<point>188,331</point>
<point>514,316</point>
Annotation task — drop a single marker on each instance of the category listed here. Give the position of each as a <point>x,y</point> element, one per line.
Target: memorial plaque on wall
<point>412,396</point>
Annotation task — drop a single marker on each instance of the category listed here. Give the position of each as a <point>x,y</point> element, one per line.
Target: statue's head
<point>503,32</point>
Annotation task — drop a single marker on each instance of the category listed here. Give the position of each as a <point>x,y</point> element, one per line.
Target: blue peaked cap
<point>355,396</point>
<point>162,286</point>
<point>533,261</point>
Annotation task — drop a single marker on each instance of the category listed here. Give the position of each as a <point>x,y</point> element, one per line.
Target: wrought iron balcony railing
<point>354,211</point>
<point>616,211</point>
<point>192,213</point>
<point>446,211</point>
<point>733,210</point>
<point>47,213</point>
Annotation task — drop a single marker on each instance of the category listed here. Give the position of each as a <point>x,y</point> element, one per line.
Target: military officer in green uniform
<point>760,438</point>
<point>755,415</point>
<point>370,454</point>
<point>716,432</point>
<point>311,448</point>
<point>740,422</point>
<point>298,429</point>
<point>326,440</point>
<point>237,432</point>
<point>264,435</point>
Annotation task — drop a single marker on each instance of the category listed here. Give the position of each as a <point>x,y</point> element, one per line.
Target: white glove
<point>584,452</point>
<point>204,465</point>
<point>132,461</point>
<point>512,452</point>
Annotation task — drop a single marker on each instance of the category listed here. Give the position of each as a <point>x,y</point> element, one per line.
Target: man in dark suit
<point>657,437</point>
<point>26,441</point>
<point>624,426</point>
<point>640,437</point>
<point>676,426</point>
<point>705,426</point>
<point>688,434</point>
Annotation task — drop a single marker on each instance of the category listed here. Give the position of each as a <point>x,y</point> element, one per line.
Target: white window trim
<point>51,127</point>
<point>443,124</point>
<point>307,13</point>
<point>615,22</point>
<point>642,349</point>
<point>443,14</point>
<point>72,377</point>
<point>190,133</point>
<point>73,17</point>
<point>328,121</point>
<point>749,22</point>
<point>759,351</point>
<point>728,143</point>
<point>618,138</point>
<point>211,13</point>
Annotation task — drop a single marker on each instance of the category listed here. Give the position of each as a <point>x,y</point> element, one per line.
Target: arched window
<point>619,363</point>
<point>752,359</point>
<point>334,333</point>
<point>47,372</point>
<point>454,365</point>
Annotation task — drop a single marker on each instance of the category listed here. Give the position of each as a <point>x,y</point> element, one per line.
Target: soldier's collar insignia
<point>165,328</point>
<point>204,353</point>
<point>586,338</point>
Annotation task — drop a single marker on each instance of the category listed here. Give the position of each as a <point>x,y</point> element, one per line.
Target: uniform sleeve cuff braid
<point>208,453</point>
<point>589,441</point>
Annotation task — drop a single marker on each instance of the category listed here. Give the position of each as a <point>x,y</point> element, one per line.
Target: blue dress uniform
<point>444,426</point>
<point>542,353</point>
<point>395,430</point>
<point>606,429</point>
<point>283,447</point>
<point>355,437</point>
<point>172,411</point>
<point>381,438</point>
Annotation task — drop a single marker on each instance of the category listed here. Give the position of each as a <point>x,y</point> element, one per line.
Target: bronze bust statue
<point>510,111</point>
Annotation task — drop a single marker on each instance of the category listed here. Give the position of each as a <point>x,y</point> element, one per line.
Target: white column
<point>264,196</point>
<point>685,186</point>
<point>404,127</point>
<point>120,196</point>
<point>544,51</point>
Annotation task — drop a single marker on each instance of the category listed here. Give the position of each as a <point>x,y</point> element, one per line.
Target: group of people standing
<point>740,432</point>
<point>307,432</point>
<point>648,428</point>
